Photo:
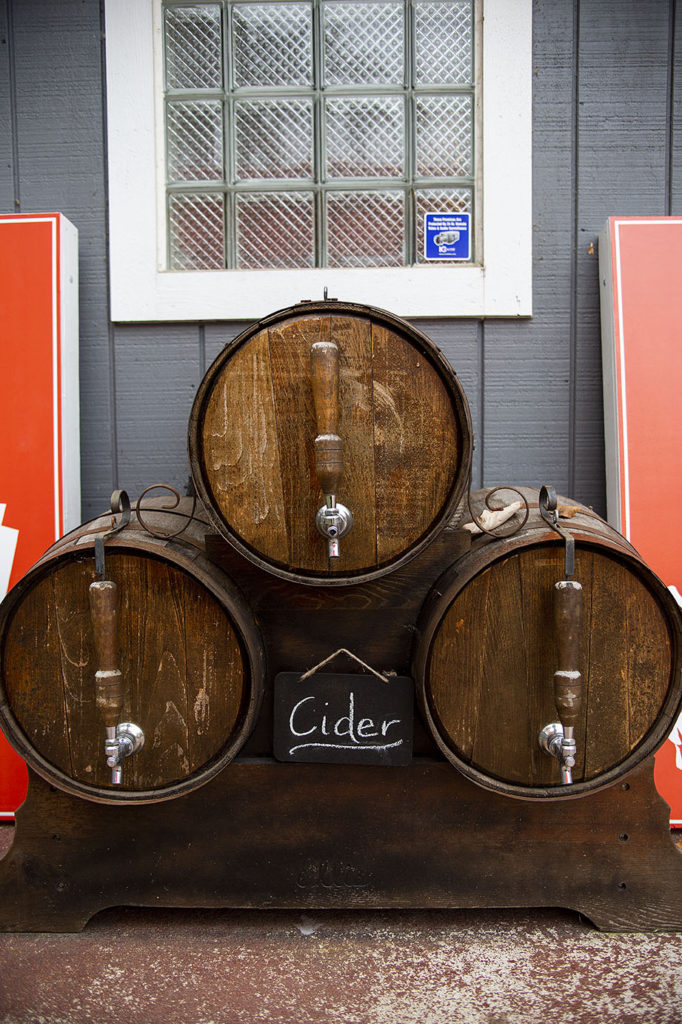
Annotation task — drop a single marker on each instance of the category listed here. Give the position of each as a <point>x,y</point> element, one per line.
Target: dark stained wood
<point>505,705</point>
<point>538,578</point>
<point>294,409</point>
<point>354,338</point>
<point>190,656</point>
<point>267,835</point>
<point>459,633</point>
<point>261,834</point>
<point>45,704</point>
<point>607,735</point>
<point>404,428</point>
<point>240,446</point>
<point>417,447</point>
<point>300,626</point>
<point>488,651</point>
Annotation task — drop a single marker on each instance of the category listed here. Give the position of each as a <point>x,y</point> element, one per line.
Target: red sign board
<point>39,409</point>
<point>640,269</point>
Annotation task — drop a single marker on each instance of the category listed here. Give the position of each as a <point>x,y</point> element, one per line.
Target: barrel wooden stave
<point>189,653</point>
<point>404,424</point>
<point>485,658</point>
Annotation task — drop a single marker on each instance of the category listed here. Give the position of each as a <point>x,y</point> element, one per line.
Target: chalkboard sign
<point>343,719</point>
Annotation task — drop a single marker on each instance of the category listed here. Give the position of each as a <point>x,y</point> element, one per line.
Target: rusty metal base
<point>267,835</point>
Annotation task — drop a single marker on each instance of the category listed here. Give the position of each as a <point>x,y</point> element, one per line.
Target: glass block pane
<point>439,200</point>
<point>363,43</point>
<point>195,141</point>
<point>444,42</point>
<point>444,129</point>
<point>274,139</point>
<point>196,226</point>
<point>365,137</point>
<point>193,47</point>
<point>272,44</point>
<point>365,229</point>
<point>275,230</point>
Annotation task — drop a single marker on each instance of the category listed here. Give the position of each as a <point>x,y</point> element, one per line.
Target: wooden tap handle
<point>568,682</point>
<point>324,371</point>
<point>103,601</point>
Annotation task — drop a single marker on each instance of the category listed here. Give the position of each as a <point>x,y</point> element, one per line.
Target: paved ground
<point>401,967</point>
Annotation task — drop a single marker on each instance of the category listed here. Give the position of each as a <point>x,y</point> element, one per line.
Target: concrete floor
<point>281,967</point>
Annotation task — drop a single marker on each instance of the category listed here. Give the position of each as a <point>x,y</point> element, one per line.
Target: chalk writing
<point>348,719</point>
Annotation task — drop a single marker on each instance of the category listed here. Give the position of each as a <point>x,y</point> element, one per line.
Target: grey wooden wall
<point>607,89</point>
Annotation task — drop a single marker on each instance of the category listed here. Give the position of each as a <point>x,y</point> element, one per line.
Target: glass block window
<point>315,133</point>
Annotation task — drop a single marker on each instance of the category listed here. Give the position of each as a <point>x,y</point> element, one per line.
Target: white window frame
<point>142,290</point>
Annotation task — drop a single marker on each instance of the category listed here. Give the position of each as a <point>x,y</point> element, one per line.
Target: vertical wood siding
<point>607,140</point>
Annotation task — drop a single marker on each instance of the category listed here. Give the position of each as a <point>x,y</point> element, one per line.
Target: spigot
<point>560,743</point>
<point>333,521</point>
<point>121,741</point>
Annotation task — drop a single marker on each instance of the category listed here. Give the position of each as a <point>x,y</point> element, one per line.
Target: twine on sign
<point>344,650</point>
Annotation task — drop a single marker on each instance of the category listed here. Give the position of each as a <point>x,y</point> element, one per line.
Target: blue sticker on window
<point>447,236</point>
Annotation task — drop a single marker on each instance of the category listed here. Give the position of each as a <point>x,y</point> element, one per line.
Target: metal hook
<point>547,503</point>
<point>120,503</point>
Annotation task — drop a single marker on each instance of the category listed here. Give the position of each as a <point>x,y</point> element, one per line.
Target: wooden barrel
<point>404,427</point>
<point>190,656</point>
<point>487,651</point>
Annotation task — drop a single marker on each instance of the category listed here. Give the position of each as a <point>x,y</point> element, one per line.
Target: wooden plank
<point>502,749</point>
<point>456,672</point>
<point>417,443</point>
<point>77,665</point>
<point>539,569</point>
<point>490,675</point>
<point>460,341</point>
<point>608,716</point>
<point>649,660</point>
<point>216,676</point>
<point>153,664</point>
<point>240,450</point>
<point>356,400</point>
<point>39,708</point>
<point>425,837</point>
<point>295,432</point>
